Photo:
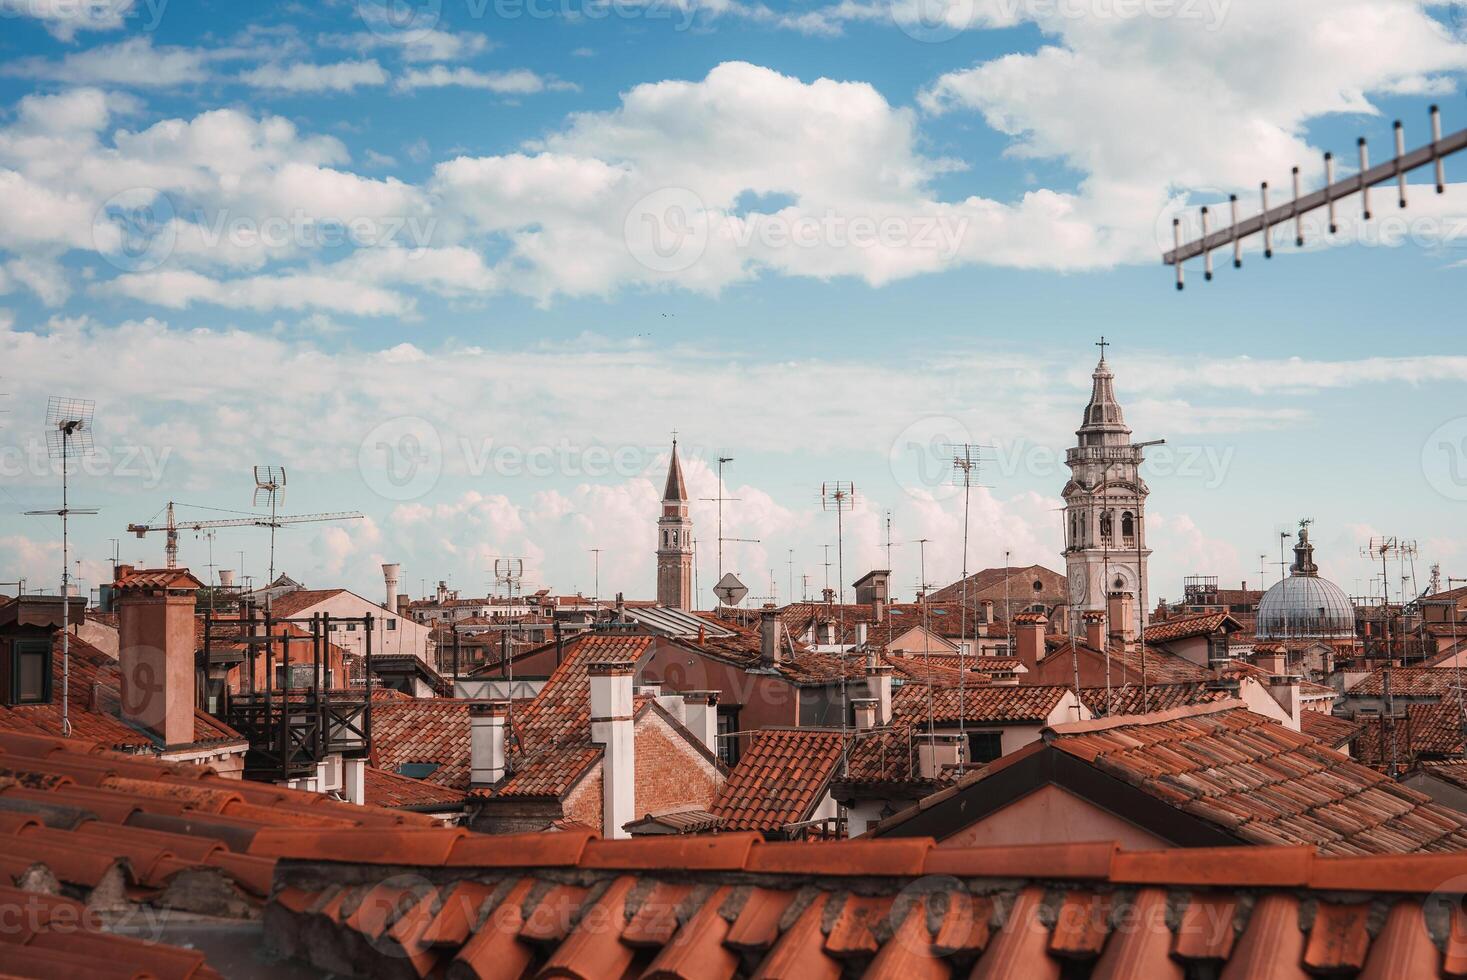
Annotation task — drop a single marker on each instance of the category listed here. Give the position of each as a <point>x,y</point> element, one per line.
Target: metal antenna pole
<point>839,496</point>
<point>1457,663</point>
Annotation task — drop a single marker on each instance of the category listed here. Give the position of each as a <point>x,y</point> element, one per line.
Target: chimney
<point>1121,611</point>
<point>1285,690</point>
<point>769,647</point>
<point>938,751</point>
<point>878,689</point>
<point>860,634</point>
<point>700,710</point>
<point>988,610</point>
<point>488,722</point>
<point>226,578</point>
<point>611,726</point>
<point>390,575</point>
<point>1095,629</point>
<point>155,640</point>
<point>1029,638</point>
<point>403,601</point>
<point>827,595</point>
<point>621,608</point>
<point>865,711</point>
<point>1271,657</point>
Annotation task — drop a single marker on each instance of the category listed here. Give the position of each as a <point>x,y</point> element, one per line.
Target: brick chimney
<point>1121,611</point>
<point>1272,657</point>
<point>155,649</point>
<point>1095,629</point>
<point>987,610</point>
<point>1029,637</point>
<point>488,762</point>
<point>612,727</point>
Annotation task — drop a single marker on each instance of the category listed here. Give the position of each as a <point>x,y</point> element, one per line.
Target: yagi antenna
<point>1268,218</point>
<point>68,436</point>
<point>270,483</point>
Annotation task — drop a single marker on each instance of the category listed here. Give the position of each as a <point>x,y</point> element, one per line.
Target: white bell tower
<point>1105,503</point>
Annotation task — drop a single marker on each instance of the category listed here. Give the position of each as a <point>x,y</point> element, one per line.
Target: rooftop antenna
<point>270,483</point>
<point>1333,190</point>
<point>723,461</point>
<point>966,459</point>
<point>68,436</point>
<point>1457,658</point>
<point>889,544</point>
<point>1385,548</point>
<point>509,572</point>
<point>596,572</point>
<point>839,496</point>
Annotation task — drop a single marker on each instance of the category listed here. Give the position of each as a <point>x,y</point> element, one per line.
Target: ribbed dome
<point>1305,606</point>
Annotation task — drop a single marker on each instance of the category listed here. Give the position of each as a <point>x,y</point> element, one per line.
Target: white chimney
<point>226,578</point>
<point>860,634</point>
<point>769,651</point>
<point>878,688</point>
<point>612,727</point>
<point>390,574</point>
<point>865,711</point>
<point>700,711</point>
<point>938,751</point>
<point>487,725</point>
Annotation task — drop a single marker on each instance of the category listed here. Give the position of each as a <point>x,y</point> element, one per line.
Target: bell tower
<point>675,541</point>
<point>1105,503</point>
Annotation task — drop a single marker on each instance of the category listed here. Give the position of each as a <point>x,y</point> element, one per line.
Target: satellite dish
<point>730,590</point>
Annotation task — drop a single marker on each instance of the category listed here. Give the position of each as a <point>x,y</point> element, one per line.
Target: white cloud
<point>134,63</point>
<point>64,18</point>
<point>179,289</point>
<point>343,76</point>
<point>517,81</point>
<point>418,45</point>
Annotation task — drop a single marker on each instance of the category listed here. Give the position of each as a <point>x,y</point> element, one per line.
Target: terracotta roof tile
<point>1000,912</point>
<point>779,779</point>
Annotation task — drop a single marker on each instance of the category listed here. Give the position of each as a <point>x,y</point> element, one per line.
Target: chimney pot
<point>1029,638</point>
<point>612,727</point>
<point>156,650</point>
<point>488,722</point>
<point>769,639</point>
<point>878,689</point>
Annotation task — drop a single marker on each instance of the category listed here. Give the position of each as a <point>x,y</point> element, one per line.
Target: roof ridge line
<point>1154,718</point>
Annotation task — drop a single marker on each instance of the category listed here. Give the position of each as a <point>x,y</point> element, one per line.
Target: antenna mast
<point>68,435</point>
<point>839,496</point>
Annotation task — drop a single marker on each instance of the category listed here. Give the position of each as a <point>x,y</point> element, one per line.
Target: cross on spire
<point>674,437</point>
<point>1102,344</point>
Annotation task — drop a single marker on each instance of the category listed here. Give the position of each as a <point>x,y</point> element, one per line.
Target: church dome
<point>1305,606</point>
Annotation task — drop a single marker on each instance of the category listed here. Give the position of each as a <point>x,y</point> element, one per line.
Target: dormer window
<point>28,675</point>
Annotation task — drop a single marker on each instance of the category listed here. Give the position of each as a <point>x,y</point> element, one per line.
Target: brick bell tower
<point>675,541</point>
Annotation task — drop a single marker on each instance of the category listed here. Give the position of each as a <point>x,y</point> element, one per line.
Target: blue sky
<point>492,362</point>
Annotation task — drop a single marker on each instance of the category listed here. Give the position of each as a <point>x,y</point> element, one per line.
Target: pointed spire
<point>676,489</point>
<point>1103,412</point>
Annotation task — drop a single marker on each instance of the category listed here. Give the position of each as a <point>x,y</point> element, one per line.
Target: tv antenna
<point>68,436</point>
<point>966,459</point>
<point>270,483</point>
<point>595,572</point>
<point>839,496</point>
<point>722,462</point>
<point>1326,197</point>
<point>1386,548</point>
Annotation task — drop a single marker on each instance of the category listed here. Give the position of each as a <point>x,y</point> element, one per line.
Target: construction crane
<point>173,526</point>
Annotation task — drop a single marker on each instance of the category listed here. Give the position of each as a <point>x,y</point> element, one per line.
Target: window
<point>351,627</point>
<point>1128,528</point>
<point>984,747</point>
<point>418,770</point>
<point>30,671</point>
<point>391,625</point>
<point>728,748</point>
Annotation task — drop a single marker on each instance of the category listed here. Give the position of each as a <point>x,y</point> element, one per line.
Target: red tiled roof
<point>93,705</point>
<point>1127,699</point>
<point>1161,667</point>
<point>115,829</point>
<point>1327,728</point>
<point>406,730</point>
<point>1425,730</point>
<point>1416,682</point>
<point>393,790</point>
<point>991,703</point>
<point>726,905</point>
<point>553,731</point>
<point>1453,771</point>
<point>155,578</point>
<point>779,780</point>
<point>1186,627</point>
<point>1308,690</point>
<point>1262,782</point>
<point>293,603</point>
